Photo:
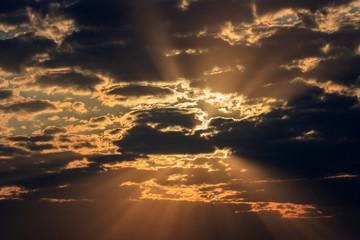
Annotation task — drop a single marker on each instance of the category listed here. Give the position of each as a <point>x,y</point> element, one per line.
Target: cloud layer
<point>242,105</point>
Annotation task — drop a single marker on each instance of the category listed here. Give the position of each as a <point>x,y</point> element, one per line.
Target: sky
<point>179,119</point>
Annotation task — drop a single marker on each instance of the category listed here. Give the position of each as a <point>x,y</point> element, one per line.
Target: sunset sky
<point>179,119</point>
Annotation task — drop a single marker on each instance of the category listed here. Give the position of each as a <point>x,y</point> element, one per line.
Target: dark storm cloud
<point>122,50</point>
<point>43,170</point>
<point>108,14</point>
<point>15,18</point>
<point>138,90</point>
<point>166,118</point>
<point>143,139</point>
<point>113,14</point>
<point>342,70</point>
<point>28,107</point>
<point>5,94</point>
<point>126,62</point>
<point>344,41</point>
<point>18,52</point>
<point>122,43</point>
<point>8,6</point>
<point>330,120</point>
<point>105,41</point>
<point>70,79</point>
<point>318,101</point>
<point>34,170</point>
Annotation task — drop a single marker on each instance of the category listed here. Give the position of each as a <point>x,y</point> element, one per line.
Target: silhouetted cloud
<point>143,139</point>
<point>5,94</point>
<point>70,79</point>
<point>136,90</point>
<point>167,118</point>
<point>43,138</point>
<point>18,52</point>
<point>54,130</point>
<point>28,107</point>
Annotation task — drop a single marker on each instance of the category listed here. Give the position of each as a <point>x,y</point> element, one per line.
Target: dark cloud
<point>8,6</point>
<point>341,70</point>
<point>109,14</point>
<point>19,51</point>
<point>16,18</point>
<point>113,158</point>
<point>125,45</point>
<point>38,147</point>
<point>98,119</point>
<point>128,62</point>
<point>278,139</point>
<point>28,107</point>
<point>143,139</point>
<point>43,138</point>
<point>51,130</point>
<point>138,90</point>
<point>71,79</point>
<point>38,169</point>
<point>164,118</point>
<point>4,94</point>
<point>308,20</point>
<point>10,151</point>
<point>124,41</point>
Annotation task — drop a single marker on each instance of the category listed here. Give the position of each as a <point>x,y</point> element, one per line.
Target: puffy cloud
<point>78,107</point>
<point>77,164</point>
